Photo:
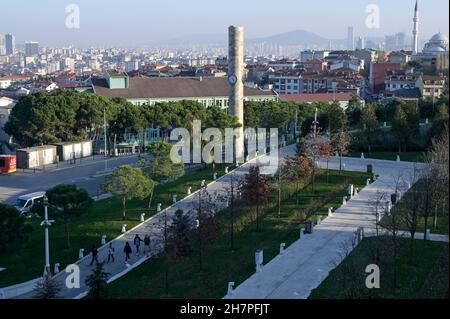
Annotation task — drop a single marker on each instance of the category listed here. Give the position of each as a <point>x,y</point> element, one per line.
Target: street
<point>86,174</point>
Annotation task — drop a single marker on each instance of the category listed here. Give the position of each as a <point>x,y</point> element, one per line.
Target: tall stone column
<point>236,83</point>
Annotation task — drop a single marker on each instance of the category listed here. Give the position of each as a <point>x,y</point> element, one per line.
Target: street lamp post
<point>46,224</point>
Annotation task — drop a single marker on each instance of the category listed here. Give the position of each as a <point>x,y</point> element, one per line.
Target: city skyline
<point>126,25</point>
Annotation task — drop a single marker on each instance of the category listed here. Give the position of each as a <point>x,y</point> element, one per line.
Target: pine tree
<point>47,288</point>
<point>97,282</point>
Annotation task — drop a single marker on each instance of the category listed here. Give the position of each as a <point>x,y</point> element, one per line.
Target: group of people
<point>137,241</point>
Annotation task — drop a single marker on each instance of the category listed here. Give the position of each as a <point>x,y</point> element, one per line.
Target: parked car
<point>24,203</point>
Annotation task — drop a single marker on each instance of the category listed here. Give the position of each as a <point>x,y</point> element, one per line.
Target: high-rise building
<point>2,45</point>
<point>360,43</point>
<point>31,48</point>
<point>351,39</point>
<point>416,29</point>
<point>396,42</point>
<point>10,44</point>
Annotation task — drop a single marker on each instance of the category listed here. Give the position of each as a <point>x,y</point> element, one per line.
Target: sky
<point>138,23</point>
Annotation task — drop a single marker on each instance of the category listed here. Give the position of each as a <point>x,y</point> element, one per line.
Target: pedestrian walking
<point>111,251</point>
<point>147,244</point>
<point>137,243</point>
<point>127,250</point>
<point>94,254</point>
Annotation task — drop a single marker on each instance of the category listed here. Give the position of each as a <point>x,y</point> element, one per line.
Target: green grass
<point>392,156</point>
<point>221,264</point>
<point>422,272</point>
<point>441,226</point>
<point>103,218</point>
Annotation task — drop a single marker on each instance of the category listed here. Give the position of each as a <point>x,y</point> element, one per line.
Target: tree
<point>405,124</point>
<point>180,231</point>
<point>339,137</point>
<point>208,229</point>
<point>370,125</point>
<point>47,288</point>
<point>97,282</point>
<point>255,190</point>
<point>14,230</point>
<point>69,201</point>
<point>314,148</point>
<point>127,183</point>
<point>162,168</point>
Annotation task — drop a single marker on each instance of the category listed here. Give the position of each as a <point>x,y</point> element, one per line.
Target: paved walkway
<point>153,227</point>
<point>307,262</point>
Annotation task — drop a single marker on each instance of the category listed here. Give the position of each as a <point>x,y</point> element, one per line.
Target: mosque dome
<point>439,37</point>
<point>437,44</point>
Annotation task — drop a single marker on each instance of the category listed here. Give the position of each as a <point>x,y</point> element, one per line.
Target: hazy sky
<point>140,22</point>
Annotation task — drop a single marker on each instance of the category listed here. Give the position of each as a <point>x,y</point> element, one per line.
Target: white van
<point>25,202</point>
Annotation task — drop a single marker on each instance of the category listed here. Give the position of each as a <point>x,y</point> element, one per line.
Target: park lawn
<point>103,218</point>
<point>441,226</point>
<point>392,156</point>
<point>422,272</point>
<point>221,263</point>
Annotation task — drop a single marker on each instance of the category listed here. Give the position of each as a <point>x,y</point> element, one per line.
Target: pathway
<point>307,262</point>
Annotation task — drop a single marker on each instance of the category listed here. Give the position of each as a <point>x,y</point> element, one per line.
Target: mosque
<point>435,53</point>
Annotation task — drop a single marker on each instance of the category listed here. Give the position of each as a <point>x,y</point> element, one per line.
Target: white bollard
<point>226,170</point>
<point>103,240</point>
<point>368,182</point>
<point>398,159</point>
<point>388,207</point>
<point>203,184</point>
<point>427,234</point>
<point>356,192</point>
<point>189,191</point>
<point>158,207</point>
<point>427,121</point>
<point>344,201</point>
<point>302,231</point>
<point>350,190</point>
<point>385,124</point>
<point>319,220</point>
<point>362,156</point>
<point>230,288</point>
<point>81,253</point>
<point>330,211</point>
<point>56,268</point>
<point>215,176</point>
<point>282,248</point>
<point>174,198</point>
<point>259,259</point>
<point>142,218</point>
<point>124,228</point>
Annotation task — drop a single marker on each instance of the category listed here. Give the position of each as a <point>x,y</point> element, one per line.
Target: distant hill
<point>296,37</point>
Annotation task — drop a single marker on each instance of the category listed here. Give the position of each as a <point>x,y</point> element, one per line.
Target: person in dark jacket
<point>137,243</point>
<point>94,254</point>
<point>147,244</point>
<point>127,250</point>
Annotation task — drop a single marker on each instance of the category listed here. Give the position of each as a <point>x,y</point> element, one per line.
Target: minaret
<point>416,30</point>
<point>236,82</point>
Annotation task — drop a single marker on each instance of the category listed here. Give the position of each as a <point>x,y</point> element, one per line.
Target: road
<point>84,174</point>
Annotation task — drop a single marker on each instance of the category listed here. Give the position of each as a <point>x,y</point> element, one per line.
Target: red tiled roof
<point>318,97</point>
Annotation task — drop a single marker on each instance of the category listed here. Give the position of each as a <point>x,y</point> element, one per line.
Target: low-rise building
<point>210,91</point>
<point>430,86</point>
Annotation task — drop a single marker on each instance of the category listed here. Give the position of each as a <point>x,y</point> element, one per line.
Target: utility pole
<point>104,127</point>
<point>46,224</point>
